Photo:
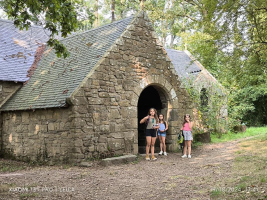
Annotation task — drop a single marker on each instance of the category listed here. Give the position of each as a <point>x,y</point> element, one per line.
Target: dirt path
<point>170,177</point>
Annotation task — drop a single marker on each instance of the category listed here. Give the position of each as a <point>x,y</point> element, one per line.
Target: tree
<point>118,9</point>
<point>57,16</point>
<point>236,43</point>
<point>85,15</point>
<point>171,18</point>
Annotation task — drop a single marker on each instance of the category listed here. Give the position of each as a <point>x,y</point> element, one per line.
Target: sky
<point>2,14</point>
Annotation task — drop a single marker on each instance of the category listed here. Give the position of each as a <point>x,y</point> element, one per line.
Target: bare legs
<point>162,143</point>
<point>153,145</point>
<point>189,147</point>
<point>150,142</point>
<point>187,144</point>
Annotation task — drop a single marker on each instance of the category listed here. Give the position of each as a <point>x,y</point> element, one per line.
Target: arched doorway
<point>151,97</point>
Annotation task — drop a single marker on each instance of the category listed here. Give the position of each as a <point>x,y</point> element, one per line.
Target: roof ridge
<point>174,50</point>
<point>93,29</point>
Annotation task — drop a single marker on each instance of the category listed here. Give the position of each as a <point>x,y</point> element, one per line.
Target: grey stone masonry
<point>7,89</point>
<point>42,135</point>
<point>101,114</point>
<point>105,104</point>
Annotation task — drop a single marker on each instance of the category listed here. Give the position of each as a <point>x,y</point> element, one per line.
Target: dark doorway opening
<point>149,98</point>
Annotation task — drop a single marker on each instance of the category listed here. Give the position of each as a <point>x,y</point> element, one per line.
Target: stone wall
<point>105,105</point>
<point>7,88</point>
<point>38,135</point>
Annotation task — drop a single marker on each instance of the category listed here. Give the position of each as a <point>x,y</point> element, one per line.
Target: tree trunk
<point>112,10</point>
<point>122,7</point>
<point>96,14</point>
<point>172,40</point>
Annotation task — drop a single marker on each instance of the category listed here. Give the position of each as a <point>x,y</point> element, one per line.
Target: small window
<point>204,98</point>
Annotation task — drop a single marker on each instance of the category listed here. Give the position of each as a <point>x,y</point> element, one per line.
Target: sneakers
<point>147,157</point>
<point>184,156</point>
<point>160,153</point>
<point>165,153</point>
<point>153,158</point>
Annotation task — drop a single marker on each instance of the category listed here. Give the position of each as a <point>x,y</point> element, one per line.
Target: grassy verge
<point>253,131</point>
<point>248,180</point>
<point>12,166</point>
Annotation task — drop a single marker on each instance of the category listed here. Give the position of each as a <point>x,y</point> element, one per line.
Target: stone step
<point>86,164</point>
<point>118,160</point>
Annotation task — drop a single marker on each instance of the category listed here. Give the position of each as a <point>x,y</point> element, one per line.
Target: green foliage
<point>57,16</point>
<point>85,15</point>
<point>171,18</point>
<point>122,8</point>
<point>230,39</point>
<point>249,105</point>
<point>210,104</point>
<point>253,131</point>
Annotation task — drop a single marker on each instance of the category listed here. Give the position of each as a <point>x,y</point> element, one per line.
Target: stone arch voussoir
<point>159,82</point>
<point>169,99</point>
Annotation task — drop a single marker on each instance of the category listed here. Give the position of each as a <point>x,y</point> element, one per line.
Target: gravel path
<point>170,177</point>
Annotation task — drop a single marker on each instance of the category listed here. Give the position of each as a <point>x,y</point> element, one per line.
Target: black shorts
<point>151,132</point>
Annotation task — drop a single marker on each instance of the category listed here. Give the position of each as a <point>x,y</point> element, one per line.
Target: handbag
<point>180,137</point>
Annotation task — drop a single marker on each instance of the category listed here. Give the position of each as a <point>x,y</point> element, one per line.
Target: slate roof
<point>56,78</point>
<point>183,64</point>
<point>17,49</point>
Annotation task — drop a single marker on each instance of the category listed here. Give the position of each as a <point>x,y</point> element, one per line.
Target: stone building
<point>76,108</point>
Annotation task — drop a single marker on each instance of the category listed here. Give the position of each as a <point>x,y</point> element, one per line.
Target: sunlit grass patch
<point>243,158</point>
<point>248,171</point>
<point>239,151</point>
<point>170,186</point>
<point>246,178</point>
<point>252,131</point>
<point>242,186</point>
<point>216,193</point>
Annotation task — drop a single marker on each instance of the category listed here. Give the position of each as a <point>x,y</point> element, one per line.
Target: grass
<point>252,131</point>
<point>215,193</point>
<point>4,188</point>
<point>28,195</point>
<point>249,166</point>
<point>12,166</point>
